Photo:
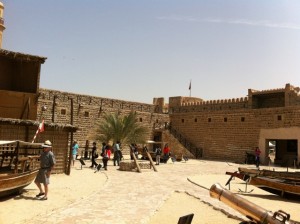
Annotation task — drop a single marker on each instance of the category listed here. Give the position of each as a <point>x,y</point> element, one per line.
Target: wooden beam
<point>151,161</point>
<point>136,163</point>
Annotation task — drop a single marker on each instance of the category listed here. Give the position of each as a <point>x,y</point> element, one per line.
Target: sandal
<point>40,194</point>
<point>44,198</point>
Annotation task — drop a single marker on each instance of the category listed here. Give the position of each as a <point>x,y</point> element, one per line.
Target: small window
<point>182,120</point>
<point>279,118</point>
<point>141,119</point>
<point>63,111</point>
<point>209,119</point>
<point>225,119</point>
<point>242,119</point>
<point>195,120</point>
<point>86,114</point>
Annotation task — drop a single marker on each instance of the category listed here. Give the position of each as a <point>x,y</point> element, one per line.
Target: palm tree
<point>125,129</point>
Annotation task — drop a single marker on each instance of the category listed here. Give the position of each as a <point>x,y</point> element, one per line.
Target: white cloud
<point>264,23</point>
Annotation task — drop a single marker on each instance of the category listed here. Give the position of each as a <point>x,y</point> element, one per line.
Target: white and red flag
<point>40,129</point>
<point>41,126</point>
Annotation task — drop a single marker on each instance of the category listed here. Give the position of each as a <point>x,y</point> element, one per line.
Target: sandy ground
<point>183,204</point>
<point>82,183</point>
<point>63,190</point>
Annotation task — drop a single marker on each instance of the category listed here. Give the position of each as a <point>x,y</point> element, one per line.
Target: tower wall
<point>2,27</point>
<point>226,129</point>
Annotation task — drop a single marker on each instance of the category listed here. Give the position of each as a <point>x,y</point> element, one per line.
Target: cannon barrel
<point>247,208</point>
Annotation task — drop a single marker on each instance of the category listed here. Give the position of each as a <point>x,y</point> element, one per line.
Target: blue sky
<point>136,49</point>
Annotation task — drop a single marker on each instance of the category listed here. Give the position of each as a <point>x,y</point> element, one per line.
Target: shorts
<point>42,178</point>
<point>74,157</point>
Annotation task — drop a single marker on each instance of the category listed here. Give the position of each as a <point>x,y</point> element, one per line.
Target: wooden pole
<point>151,161</point>
<point>53,108</point>
<point>136,163</point>
<point>71,141</point>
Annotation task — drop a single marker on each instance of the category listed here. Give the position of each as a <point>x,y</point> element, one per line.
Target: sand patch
<point>181,204</point>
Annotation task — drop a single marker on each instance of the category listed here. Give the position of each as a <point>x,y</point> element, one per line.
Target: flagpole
<point>190,88</point>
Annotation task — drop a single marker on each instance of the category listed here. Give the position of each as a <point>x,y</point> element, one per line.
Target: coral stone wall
<point>88,111</point>
<point>226,135</point>
<point>223,129</point>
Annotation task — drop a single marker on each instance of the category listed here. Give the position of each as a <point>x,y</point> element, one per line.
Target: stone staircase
<point>197,152</point>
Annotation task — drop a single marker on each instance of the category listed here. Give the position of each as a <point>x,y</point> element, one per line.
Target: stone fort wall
<point>226,135</point>
<point>225,129</point>
<point>87,111</point>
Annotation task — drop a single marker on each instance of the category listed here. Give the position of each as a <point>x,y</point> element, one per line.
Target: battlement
<point>271,98</point>
<point>59,97</point>
<point>213,102</point>
<point>267,91</point>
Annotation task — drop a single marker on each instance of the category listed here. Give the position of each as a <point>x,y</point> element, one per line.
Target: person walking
<point>108,150</point>
<point>103,148</point>
<point>157,153</point>
<point>257,156</point>
<point>47,162</point>
<point>166,153</point>
<point>75,148</point>
<point>117,153</point>
<point>105,156</point>
<point>94,155</point>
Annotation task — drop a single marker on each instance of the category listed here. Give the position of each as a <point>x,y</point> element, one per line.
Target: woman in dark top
<point>94,155</point>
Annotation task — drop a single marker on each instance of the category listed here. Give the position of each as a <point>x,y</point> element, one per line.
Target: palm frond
<point>125,129</point>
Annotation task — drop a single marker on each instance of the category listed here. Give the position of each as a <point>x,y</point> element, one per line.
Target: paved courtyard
<point>132,197</point>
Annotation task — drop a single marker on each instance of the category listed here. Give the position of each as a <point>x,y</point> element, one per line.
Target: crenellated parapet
<point>210,105</point>
<point>64,98</point>
<point>214,102</point>
<point>267,91</point>
<point>271,98</point>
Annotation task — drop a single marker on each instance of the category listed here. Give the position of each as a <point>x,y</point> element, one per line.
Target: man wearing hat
<point>47,161</point>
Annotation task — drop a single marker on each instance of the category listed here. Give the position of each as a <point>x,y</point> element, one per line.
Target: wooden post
<point>136,163</point>
<point>151,161</point>
<point>17,158</point>
<point>53,108</point>
<point>71,141</point>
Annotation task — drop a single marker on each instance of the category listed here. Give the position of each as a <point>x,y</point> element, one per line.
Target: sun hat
<point>47,144</point>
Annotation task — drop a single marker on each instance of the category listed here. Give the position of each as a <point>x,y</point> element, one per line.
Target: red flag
<point>41,126</point>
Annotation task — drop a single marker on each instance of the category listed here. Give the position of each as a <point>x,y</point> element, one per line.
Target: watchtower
<point>2,27</point>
